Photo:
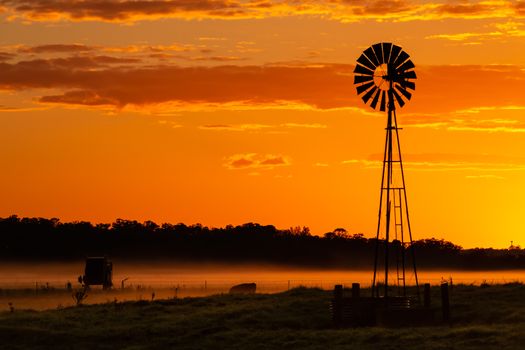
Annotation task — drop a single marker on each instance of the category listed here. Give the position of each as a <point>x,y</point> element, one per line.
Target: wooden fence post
<point>337,305</point>
<point>445,302</point>
<point>356,287</point>
<point>426,295</point>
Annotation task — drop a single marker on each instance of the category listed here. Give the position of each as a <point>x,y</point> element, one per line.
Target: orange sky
<point>224,112</point>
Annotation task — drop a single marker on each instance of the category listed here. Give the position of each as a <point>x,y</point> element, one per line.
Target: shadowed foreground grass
<point>483,318</point>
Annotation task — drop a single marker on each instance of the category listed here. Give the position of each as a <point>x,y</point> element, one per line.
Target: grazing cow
<point>243,288</point>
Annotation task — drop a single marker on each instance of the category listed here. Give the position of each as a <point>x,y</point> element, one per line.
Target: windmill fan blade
<point>362,88</point>
<point>376,98</point>
<point>369,94</point>
<point>366,62</point>
<point>405,93</point>
<point>383,102</point>
<point>403,82</point>
<point>406,66</point>
<point>393,54</point>
<point>408,75</point>
<point>408,84</point>
<point>371,56</point>
<point>362,70</point>
<point>387,47</point>
<point>398,98</point>
<point>379,53</point>
<point>403,56</point>
<point>362,78</point>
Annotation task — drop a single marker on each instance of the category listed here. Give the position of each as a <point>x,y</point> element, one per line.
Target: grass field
<point>490,317</point>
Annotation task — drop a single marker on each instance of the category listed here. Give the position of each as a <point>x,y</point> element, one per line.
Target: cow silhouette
<point>243,288</point>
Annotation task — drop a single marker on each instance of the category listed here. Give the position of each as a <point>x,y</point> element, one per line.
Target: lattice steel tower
<point>384,74</point>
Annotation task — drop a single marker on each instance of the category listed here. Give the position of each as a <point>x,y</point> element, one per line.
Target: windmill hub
<point>381,77</point>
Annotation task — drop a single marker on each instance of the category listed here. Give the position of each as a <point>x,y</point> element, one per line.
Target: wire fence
<point>57,293</point>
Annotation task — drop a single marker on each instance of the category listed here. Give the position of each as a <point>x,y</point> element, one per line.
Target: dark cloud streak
<point>52,48</point>
<point>119,10</point>
<point>322,86</point>
<point>133,10</point>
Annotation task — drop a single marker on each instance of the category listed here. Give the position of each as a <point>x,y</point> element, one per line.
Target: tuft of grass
<point>80,295</point>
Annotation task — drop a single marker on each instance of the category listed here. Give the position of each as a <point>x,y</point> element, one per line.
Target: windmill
<point>384,77</point>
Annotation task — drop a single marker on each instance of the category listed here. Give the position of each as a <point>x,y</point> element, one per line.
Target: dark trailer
<point>98,271</point>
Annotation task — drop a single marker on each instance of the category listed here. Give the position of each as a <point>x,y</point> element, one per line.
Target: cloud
<point>172,124</point>
<point>448,162</point>
<point>176,47</point>
<point>11,109</point>
<point>305,126</point>
<point>239,127</point>
<point>6,56</point>
<point>187,52</point>
<point>256,161</point>
<point>485,176</point>
<point>342,10</point>
<point>55,48</point>
<point>76,63</point>
<point>508,29</point>
<point>122,81</point>
<point>79,97</point>
<point>381,7</point>
<point>465,36</point>
<point>457,87</point>
<point>216,58</point>
<point>259,127</point>
<point>467,120</point>
<point>320,86</point>
<point>212,38</point>
<point>465,8</point>
<point>120,10</point>
<point>220,127</point>
<point>519,7</point>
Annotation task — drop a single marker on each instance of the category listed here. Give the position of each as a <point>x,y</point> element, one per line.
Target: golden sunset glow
<point>231,111</point>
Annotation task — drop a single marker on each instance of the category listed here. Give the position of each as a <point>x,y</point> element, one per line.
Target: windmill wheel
<point>384,73</point>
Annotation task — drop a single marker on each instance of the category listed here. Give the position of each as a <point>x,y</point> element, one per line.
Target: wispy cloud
<point>194,52</point>
<point>6,56</point>
<point>56,48</point>
<point>10,109</point>
<point>239,127</point>
<point>256,161</point>
<point>485,176</point>
<point>467,120</point>
<point>170,123</point>
<point>497,31</point>
<point>448,162</point>
<point>261,127</point>
<point>466,36</point>
<point>305,126</point>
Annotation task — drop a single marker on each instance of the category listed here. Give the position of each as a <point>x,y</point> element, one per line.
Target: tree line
<point>41,239</point>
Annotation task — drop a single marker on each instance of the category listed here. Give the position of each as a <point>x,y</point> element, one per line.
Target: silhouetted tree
<point>49,239</point>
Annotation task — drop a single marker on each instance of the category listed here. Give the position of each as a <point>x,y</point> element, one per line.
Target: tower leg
<point>388,192</point>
